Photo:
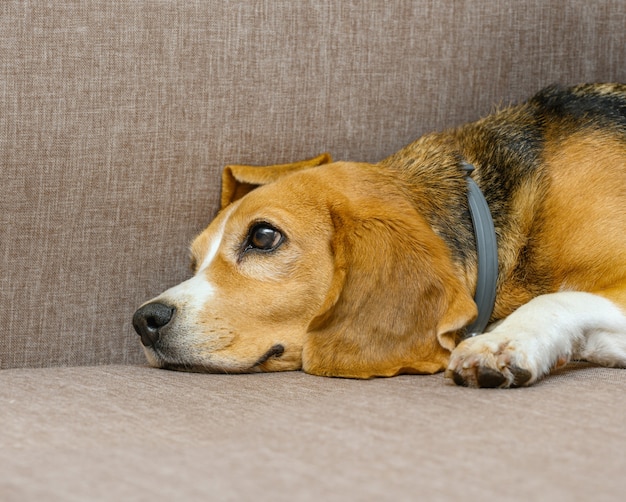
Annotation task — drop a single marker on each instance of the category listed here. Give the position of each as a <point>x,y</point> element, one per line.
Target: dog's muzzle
<point>150,320</point>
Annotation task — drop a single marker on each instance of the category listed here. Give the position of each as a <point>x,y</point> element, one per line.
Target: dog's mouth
<point>276,351</point>
<point>163,361</point>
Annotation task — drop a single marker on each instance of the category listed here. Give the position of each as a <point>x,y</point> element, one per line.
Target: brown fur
<point>377,270</point>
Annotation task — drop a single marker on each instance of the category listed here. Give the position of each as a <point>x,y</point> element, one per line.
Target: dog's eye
<point>263,237</point>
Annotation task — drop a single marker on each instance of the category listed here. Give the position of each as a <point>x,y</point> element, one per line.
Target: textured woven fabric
<point>117,117</point>
<point>131,433</point>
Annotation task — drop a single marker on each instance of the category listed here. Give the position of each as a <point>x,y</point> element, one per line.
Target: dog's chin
<point>157,359</point>
<point>203,368</point>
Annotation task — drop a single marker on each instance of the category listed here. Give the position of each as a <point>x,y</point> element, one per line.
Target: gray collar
<point>487,253</point>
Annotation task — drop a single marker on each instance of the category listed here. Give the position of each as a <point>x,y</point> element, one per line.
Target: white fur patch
<point>216,241</point>
<point>192,293</point>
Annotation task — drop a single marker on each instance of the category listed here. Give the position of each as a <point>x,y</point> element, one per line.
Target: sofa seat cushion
<point>136,433</point>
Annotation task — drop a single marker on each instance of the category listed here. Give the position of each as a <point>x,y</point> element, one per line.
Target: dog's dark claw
<point>489,378</point>
<point>520,376</point>
<point>458,379</point>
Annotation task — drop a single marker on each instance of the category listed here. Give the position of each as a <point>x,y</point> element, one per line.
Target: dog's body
<point>369,270</point>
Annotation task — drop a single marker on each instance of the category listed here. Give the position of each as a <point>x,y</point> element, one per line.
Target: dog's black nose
<point>150,319</point>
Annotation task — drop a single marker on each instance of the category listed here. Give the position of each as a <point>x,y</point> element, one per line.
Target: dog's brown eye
<point>264,238</point>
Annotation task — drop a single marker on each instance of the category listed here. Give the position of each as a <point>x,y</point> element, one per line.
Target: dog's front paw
<point>490,360</point>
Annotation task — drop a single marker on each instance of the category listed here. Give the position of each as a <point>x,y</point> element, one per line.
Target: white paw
<point>490,360</point>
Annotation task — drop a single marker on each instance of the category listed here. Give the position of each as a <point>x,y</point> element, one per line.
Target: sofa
<point>116,119</point>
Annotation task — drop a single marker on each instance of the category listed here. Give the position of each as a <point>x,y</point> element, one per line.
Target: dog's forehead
<point>284,192</point>
<point>282,203</point>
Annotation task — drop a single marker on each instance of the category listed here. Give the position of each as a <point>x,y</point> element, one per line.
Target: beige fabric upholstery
<point>131,433</point>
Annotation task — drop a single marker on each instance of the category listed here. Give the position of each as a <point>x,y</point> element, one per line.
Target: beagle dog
<point>365,270</point>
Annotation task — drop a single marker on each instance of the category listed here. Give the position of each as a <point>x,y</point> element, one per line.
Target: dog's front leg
<point>543,334</point>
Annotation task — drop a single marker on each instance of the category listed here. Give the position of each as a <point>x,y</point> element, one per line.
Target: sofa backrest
<point>116,119</point>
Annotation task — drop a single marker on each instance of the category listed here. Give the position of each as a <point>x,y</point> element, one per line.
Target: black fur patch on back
<point>587,105</point>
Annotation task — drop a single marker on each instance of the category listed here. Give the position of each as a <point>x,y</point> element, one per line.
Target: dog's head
<point>329,269</point>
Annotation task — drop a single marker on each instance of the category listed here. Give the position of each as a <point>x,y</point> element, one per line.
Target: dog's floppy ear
<point>395,303</point>
<point>238,180</point>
